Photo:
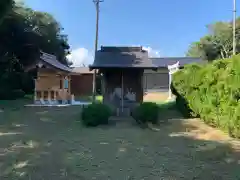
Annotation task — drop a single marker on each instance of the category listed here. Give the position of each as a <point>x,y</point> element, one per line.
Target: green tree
<point>205,48</point>
<point>23,33</point>
<point>217,44</point>
<point>5,7</point>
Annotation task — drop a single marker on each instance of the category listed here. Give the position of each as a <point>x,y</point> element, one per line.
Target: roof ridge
<point>53,61</point>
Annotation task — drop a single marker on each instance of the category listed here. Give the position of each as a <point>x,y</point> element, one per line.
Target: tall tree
<point>23,33</point>
<point>5,7</point>
<point>217,43</point>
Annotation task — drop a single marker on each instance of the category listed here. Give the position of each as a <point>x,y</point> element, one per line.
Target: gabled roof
<point>165,61</point>
<point>121,57</point>
<point>52,61</point>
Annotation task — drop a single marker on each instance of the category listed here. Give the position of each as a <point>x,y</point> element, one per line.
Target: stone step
<point>122,119</point>
<point>123,112</point>
<point>122,122</point>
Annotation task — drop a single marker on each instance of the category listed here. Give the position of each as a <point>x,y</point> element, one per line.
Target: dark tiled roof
<point>121,49</point>
<point>122,57</point>
<point>165,61</point>
<point>52,61</point>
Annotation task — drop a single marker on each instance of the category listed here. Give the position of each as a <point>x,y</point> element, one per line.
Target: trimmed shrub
<point>212,92</point>
<point>96,114</point>
<point>146,112</point>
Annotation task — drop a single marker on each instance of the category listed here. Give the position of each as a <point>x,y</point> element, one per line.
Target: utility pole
<point>96,2</point>
<point>234,27</point>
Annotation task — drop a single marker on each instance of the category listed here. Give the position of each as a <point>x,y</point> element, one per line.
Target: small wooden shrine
<point>122,76</point>
<point>52,80</point>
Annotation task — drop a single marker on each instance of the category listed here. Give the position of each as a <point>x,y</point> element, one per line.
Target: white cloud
<point>20,2</point>
<point>152,52</point>
<point>80,56</point>
<point>17,1</point>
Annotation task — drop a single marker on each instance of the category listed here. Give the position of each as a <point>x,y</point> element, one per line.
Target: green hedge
<point>212,92</point>
<point>146,112</point>
<point>96,114</point>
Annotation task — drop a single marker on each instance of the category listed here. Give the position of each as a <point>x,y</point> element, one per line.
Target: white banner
<point>173,68</point>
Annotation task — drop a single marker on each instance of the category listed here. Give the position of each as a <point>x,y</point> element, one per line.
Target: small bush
<point>96,114</point>
<point>146,112</point>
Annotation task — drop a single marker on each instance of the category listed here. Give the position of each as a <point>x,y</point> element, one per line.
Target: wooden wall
<point>132,87</point>
<point>81,85</point>
<point>50,83</point>
<point>156,80</point>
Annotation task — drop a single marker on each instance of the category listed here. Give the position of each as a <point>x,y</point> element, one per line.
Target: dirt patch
<point>204,132</point>
<point>156,97</point>
<point>199,130</point>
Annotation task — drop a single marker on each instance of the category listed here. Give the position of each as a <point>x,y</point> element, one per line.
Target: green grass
<point>49,143</point>
<point>89,98</point>
<point>99,98</point>
<point>18,103</point>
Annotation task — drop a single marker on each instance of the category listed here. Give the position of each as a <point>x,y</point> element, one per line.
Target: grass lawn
<point>48,143</point>
<point>89,98</point>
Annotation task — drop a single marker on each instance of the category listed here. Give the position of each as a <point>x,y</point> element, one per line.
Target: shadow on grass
<point>34,149</point>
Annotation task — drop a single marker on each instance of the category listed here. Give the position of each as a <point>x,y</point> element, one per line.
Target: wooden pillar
<point>42,94</point>
<point>54,95</point>
<point>62,90</point>
<point>49,94</point>
<point>69,84</point>
<point>102,85</point>
<point>105,89</point>
<point>35,91</point>
<point>62,77</point>
<point>142,89</point>
<point>65,90</point>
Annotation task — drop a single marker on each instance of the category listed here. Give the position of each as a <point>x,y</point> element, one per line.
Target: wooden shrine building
<point>52,81</point>
<point>122,75</point>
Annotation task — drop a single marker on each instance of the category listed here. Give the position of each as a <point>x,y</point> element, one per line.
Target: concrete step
<point>122,122</point>
<point>122,119</point>
<point>123,112</point>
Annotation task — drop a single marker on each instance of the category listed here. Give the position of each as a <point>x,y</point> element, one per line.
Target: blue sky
<point>164,26</point>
